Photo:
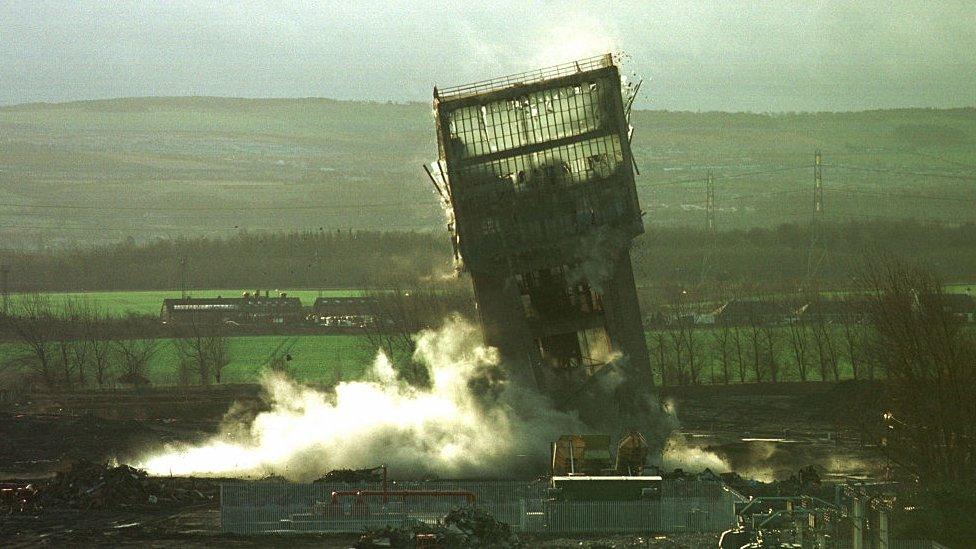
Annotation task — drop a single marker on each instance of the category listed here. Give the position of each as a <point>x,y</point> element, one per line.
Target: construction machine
<point>589,455</point>
<point>581,469</point>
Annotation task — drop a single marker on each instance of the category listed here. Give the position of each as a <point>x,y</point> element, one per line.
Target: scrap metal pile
<point>463,527</point>
<point>87,485</point>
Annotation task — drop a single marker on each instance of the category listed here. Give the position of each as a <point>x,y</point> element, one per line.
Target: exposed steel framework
<point>536,170</point>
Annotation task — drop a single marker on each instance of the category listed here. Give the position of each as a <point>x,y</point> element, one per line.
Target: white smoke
<point>470,421</point>
<point>678,454</point>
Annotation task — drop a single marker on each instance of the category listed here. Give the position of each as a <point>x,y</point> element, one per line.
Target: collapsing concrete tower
<point>537,171</point>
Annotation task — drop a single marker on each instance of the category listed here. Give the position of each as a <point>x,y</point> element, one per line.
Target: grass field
<point>961,288</point>
<point>149,302</point>
<point>319,359</point>
<point>315,359</point>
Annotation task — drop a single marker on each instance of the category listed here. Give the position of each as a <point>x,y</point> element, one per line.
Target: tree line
<point>755,259</point>
<point>71,343</point>
<point>800,347</point>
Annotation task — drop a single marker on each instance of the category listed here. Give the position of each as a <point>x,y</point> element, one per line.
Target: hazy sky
<point>719,55</point>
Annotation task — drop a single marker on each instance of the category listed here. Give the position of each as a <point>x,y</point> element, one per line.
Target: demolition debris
<point>87,485</point>
<point>463,527</point>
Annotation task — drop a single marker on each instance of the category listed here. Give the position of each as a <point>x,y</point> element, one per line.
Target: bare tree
<point>693,350</point>
<point>682,333</point>
<point>853,332</point>
<point>738,346</point>
<point>822,332</point>
<point>928,359</point>
<point>202,347</point>
<point>771,333</point>
<point>754,339</point>
<point>95,335</point>
<point>661,354</point>
<point>30,320</point>
<point>71,351</point>
<point>134,357</point>
<point>722,346</point>
<point>676,345</point>
<point>220,355</point>
<point>798,333</point>
<point>698,354</point>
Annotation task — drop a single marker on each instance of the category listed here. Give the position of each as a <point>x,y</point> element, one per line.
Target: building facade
<point>249,309</point>
<point>536,170</point>
<point>345,312</point>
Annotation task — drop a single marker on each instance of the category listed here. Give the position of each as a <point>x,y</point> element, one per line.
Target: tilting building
<point>536,169</point>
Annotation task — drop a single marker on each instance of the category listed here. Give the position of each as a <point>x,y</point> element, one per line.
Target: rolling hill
<point>142,168</point>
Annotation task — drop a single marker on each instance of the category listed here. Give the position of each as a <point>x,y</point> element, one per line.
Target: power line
<point>864,216</point>
<point>903,195</point>
<point>768,194</point>
<point>818,239</point>
<point>943,159</point>
<point>732,176</point>
<point>902,172</point>
<point>710,202</point>
<point>4,280</point>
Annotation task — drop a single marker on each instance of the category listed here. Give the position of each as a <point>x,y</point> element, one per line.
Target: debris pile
<point>87,485</point>
<point>464,527</point>
<point>480,528</point>
<point>806,481</point>
<point>352,475</point>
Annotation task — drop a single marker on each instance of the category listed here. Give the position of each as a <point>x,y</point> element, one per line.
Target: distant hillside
<point>143,168</point>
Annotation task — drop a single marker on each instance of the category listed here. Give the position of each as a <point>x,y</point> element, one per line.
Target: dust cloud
<point>472,421</point>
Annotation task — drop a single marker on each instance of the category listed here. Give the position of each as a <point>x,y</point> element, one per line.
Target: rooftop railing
<point>528,77</point>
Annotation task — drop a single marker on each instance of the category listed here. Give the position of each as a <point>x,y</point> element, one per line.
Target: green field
<point>322,359</point>
<point>315,359</point>
<point>149,302</point>
<point>961,288</point>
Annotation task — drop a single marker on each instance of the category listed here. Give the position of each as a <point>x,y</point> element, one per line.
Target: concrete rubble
<point>460,528</point>
<point>351,476</point>
<point>88,485</point>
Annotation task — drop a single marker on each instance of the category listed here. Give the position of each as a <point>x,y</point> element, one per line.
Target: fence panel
<point>250,507</point>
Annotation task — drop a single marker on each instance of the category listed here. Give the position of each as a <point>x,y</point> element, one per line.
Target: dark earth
<point>766,430</point>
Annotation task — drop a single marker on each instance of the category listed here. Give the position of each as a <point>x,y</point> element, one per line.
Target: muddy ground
<point>765,430</point>
<point>770,430</point>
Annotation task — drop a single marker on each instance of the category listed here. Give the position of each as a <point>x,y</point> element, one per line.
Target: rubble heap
<point>87,485</point>
<point>805,481</point>
<point>461,528</point>
<point>351,475</point>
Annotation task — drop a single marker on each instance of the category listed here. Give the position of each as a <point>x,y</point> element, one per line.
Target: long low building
<point>345,312</point>
<point>248,309</point>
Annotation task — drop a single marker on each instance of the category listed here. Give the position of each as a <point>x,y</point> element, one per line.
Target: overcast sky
<point>720,55</point>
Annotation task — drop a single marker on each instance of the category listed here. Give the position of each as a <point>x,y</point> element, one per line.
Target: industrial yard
<point>716,420</point>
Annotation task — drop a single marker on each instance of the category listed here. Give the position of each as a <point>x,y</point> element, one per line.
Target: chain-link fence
<point>683,506</point>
